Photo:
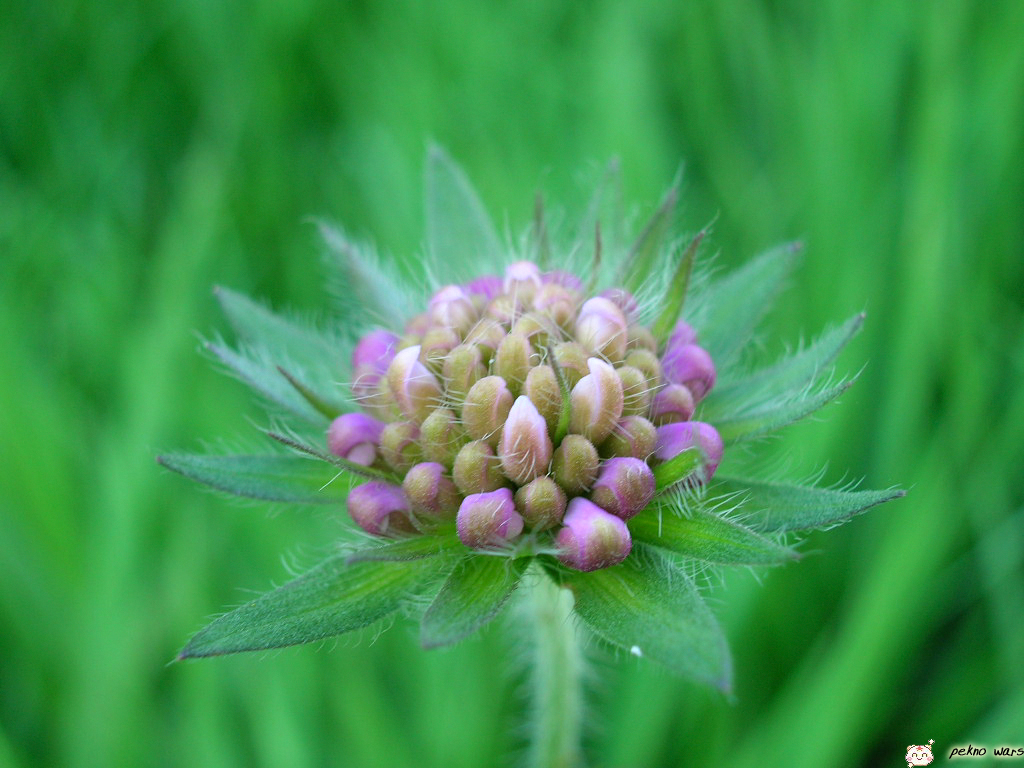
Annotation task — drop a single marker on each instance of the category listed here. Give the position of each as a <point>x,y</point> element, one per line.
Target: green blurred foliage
<point>151,149</point>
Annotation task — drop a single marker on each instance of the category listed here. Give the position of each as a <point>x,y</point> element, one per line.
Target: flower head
<point>575,418</point>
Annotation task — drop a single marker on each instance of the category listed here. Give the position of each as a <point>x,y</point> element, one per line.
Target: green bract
<point>553,410</point>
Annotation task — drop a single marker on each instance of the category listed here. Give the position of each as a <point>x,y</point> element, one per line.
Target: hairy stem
<point>555,728</point>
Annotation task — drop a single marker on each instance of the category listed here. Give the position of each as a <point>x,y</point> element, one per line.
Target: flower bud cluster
<point>516,405</point>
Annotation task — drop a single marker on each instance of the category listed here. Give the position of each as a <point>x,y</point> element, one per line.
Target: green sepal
<point>648,606</point>
<point>279,477</point>
<point>474,593</point>
<point>333,598</point>
<point>643,255</point>
<point>771,416</point>
<point>733,306</point>
<point>263,376</point>
<point>413,548</point>
<point>676,469</point>
<point>780,507</point>
<point>784,381</point>
<point>675,292</point>
<point>705,536</point>
<point>460,235</point>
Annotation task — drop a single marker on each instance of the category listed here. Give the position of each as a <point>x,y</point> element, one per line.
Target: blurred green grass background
<point>151,149</point>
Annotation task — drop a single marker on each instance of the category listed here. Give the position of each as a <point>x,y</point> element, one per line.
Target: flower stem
<point>555,728</point>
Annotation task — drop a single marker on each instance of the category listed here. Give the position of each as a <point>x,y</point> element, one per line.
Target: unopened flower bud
<point>417,326</point>
<point>380,508</point>
<point>575,464</point>
<point>624,487</point>
<point>541,502</point>
<point>691,366</point>
<point>414,387</point>
<point>487,286</point>
<point>640,337</point>
<point>400,445</point>
<point>486,408</point>
<point>636,391</point>
<point>355,436</point>
<point>525,450</point>
<point>623,299</point>
<point>463,368</point>
<point>572,358</point>
<point>542,389</point>
<point>601,328</point>
<point>375,350</point>
<point>536,327</point>
<point>522,279</point>
<point>633,436</point>
<point>453,308</point>
<point>477,469</point>
<point>591,538</point>
<point>367,390</point>
<point>673,439</point>
<point>672,403</point>
<point>646,361</point>
<point>488,519</point>
<point>431,492</point>
<point>562,278</point>
<point>682,334</point>
<point>505,309</point>
<point>488,333</point>
<point>557,302</point>
<point>435,346</point>
<point>442,436</point>
<point>596,402</point>
<point>512,361</point>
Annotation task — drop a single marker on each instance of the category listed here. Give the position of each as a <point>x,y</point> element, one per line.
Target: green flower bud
<point>486,409</point>
<point>504,309</point>
<point>596,402</point>
<point>542,389</point>
<point>636,392</point>
<point>633,436</point>
<point>435,346</point>
<point>512,361</point>
<point>488,333</point>
<point>413,386</point>
<point>442,435</point>
<point>463,368</point>
<point>431,492</point>
<point>558,303</point>
<point>477,469</point>
<point>646,361</point>
<point>640,337</point>
<point>575,464</point>
<point>572,358</point>
<point>400,445</point>
<point>541,503</point>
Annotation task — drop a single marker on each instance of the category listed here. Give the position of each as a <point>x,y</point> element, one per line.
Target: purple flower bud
<point>575,463</point>
<point>375,350</point>
<point>624,487</point>
<point>525,450</point>
<point>522,279</point>
<point>452,307</point>
<point>682,334</point>
<point>380,508</point>
<point>602,329</point>
<point>691,366</point>
<point>488,519</point>
<point>596,402</point>
<point>486,408</point>
<point>621,298</point>
<point>414,387</point>
<point>477,469</point>
<point>633,436</point>
<point>673,403</point>
<point>592,538</point>
<point>487,286</point>
<point>355,436</point>
<point>541,502</point>
<point>431,492</point>
<point>562,278</point>
<point>673,439</point>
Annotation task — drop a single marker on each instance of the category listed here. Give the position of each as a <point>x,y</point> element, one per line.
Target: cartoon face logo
<point>920,755</point>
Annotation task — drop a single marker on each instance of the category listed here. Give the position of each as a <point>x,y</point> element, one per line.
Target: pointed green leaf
<point>675,292</point>
<point>783,507</point>
<point>318,403</point>
<point>370,473</point>
<point>473,595</point>
<point>460,236</point>
<point>643,256</point>
<point>604,210</point>
<point>272,477</point>
<point>771,416</point>
<point>264,377</point>
<point>649,607</point>
<point>676,469</point>
<point>333,598</point>
<point>705,536</point>
<point>413,548</point>
<point>733,306</point>
<point>785,379</point>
